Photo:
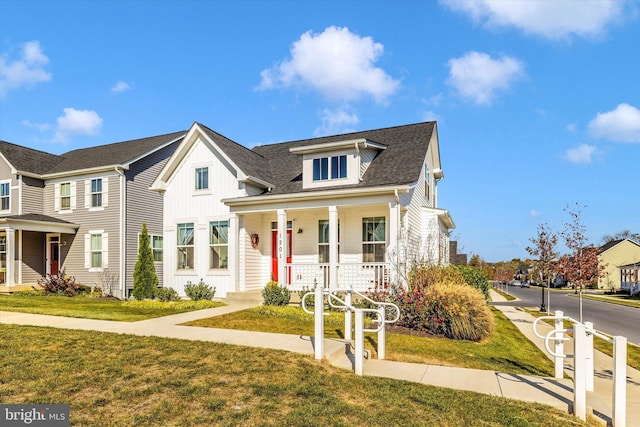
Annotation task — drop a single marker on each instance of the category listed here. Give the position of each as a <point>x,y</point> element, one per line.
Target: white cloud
<point>533,213</point>
<point>571,127</point>
<point>556,19</point>
<point>42,127</point>
<point>338,64</point>
<point>120,86</point>
<point>431,116</point>
<point>82,122</point>
<point>336,121</point>
<point>27,70</point>
<point>581,154</point>
<point>478,77</point>
<point>620,125</point>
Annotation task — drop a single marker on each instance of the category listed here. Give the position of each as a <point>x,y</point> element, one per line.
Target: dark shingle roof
<point>250,162</point>
<point>26,159</point>
<point>110,154</point>
<point>399,164</point>
<point>38,218</point>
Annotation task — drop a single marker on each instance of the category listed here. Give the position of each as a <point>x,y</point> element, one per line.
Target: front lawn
<point>505,350</point>
<point>123,380</point>
<point>95,308</point>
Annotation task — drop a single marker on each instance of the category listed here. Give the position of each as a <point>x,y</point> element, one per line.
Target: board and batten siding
<point>32,195</point>
<point>72,253</point>
<point>144,205</point>
<point>184,204</point>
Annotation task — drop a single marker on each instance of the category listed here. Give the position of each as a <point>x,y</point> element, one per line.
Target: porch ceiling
<point>37,222</point>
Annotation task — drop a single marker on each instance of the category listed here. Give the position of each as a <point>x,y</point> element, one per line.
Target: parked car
<point>524,284</point>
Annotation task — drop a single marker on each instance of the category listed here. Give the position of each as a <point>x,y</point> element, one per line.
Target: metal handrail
<point>377,303</point>
<point>554,332</point>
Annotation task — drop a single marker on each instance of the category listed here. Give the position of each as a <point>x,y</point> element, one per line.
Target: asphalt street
<point>612,319</point>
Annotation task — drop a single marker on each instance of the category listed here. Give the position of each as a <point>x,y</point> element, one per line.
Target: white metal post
<point>579,372</point>
<point>359,351</point>
<point>348,314</point>
<point>619,418</point>
<point>382,339</point>
<point>318,313</point>
<point>589,355</point>
<point>559,345</point>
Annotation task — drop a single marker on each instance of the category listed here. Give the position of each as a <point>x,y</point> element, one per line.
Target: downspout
<point>122,229</point>
<point>359,162</point>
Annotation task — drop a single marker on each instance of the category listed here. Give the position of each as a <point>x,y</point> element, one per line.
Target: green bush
<point>201,291</point>
<point>474,277</point>
<point>274,294</point>
<point>145,279</point>
<point>166,294</point>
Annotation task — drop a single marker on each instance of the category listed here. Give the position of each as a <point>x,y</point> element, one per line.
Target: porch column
<point>11,255</point>
<point>233,251</point>
<point>282,257</point>
<point>333,247</point>
<point>393,251</point>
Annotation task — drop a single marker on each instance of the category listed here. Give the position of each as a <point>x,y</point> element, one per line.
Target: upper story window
<point>334,167</point>
<point>427,182</point>
<point>5,196</point>
<point>65,195</point>
<point>202,178</point>
<point>96,192</point>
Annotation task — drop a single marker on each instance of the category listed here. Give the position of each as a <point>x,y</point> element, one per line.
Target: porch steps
<point>254,295</point>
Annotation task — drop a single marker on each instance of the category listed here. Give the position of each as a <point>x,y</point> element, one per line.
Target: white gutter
<point>83,171</point>
<point>314,195</point>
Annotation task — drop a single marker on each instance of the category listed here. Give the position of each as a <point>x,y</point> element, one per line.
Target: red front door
<point>274,253</point>
<point>54,262</point>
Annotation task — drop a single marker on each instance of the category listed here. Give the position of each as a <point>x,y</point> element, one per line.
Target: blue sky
<point>537,102</point>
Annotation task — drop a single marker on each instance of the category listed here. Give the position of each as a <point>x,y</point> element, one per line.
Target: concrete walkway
<point>557,393</point>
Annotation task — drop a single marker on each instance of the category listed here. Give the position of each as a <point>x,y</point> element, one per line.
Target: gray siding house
<point>81,211</point>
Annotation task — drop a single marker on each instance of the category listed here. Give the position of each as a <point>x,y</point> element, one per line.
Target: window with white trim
<point>373,239</point>
<point>3,252</point>
<point>185,246</point>
<point>427,182</point>
<point>65,196</point>
<point>96,244</point>
<point>96,192</point>
<point>323,241</point>
<point>334,167</point>
<point>202,178</point>
<point>5,195</point>
<point>157,248</point>
<point>219,244</point>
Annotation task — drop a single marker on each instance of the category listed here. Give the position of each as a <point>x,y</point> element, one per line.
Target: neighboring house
<point>619,257</point>
<point>345,210</point>
<point>82,211</point>
<point>454,257</point>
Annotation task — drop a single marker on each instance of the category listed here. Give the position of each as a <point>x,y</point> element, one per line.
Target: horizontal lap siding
<point>72,255</point>
<point>144,205</point>
<point>33,256</point>
<point>32,195</point>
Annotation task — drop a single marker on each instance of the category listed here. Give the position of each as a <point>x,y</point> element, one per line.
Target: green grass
<point>504,294</point>
<point>506,349</point>
<point>633,351</point>
<point>616,299</point>
<point>122,380</point>
<point>94,308</point>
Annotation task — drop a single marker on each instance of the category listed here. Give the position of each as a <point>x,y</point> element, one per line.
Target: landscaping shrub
<point>474,277</point>
<point>274,294</point>
<point>201,291</point>
<point>166,294</point>
<point>60,284</point>
<point>145,279</point>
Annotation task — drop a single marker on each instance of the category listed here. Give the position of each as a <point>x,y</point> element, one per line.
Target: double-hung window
<point>96,251</point>
<point>373,239</point>
<point>334,167</point>
<point>96,192</point>
<point>3,252</point>
<point>219,244</point>
<point>202,178</point>
<point>65,195</point>
<point>5,196</point>
<point>185,246</point>
<point>96,246</point>
<point>156,248</point>
<point>323,241</point>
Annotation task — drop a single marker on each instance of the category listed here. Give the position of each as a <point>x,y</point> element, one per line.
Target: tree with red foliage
<point>544,248</point>
<point>581,266</point>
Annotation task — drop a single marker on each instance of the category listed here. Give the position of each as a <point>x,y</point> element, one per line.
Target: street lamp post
<point>542,306</point>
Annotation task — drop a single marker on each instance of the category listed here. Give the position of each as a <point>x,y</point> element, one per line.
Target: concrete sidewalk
<point>557,393</point>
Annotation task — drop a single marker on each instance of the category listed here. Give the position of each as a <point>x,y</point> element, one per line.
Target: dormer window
<point>336,168</point>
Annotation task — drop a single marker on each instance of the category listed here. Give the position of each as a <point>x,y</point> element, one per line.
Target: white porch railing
<point>358,276</point>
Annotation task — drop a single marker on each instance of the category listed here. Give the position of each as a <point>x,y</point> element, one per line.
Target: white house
<point>345,210</point>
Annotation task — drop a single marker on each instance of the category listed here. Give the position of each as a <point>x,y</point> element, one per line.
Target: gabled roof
<point>26,159</point>
<point>399,164</point>
<point>613,243</point>
<point>43,164</point>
